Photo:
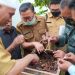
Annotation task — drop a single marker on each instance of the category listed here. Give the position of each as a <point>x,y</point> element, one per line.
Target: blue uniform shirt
<point>7,38</point>
<point>68,37</point>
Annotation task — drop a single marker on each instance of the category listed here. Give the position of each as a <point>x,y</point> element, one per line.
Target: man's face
<point>6,14</point>
<point>8,26</point>
<point>65,12</point>
<point>73,14</point>
<point>27,15</point>
<point>54,7</point>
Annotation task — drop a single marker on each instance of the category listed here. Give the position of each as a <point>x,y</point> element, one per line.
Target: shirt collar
<point>8,31</point>
<point>38,19</point>
<point>51,16</point>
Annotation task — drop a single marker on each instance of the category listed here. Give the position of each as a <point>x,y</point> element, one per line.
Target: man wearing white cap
<point>7,3</point>
<point>8,66</point>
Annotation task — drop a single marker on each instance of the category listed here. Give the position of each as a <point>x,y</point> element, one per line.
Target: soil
<point>47,62</point>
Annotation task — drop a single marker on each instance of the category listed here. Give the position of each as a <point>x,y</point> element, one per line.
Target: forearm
<point>28,44</point>
<point>21,64</point>
<point>11,47</point>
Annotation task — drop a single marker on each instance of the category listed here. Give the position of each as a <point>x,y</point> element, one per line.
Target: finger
<point>38,51</point>
<point>61,61</point>
<point>67,56</point>
<point>70,53</point>
<point>56,56</point>
<point>41,48</point>
<point>55,52</point>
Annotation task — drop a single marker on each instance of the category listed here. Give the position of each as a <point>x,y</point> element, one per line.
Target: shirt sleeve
<point>71,70</point>
<point>6,63</point>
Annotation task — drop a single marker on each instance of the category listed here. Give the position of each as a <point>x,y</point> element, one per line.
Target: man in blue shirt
<point>68,37</point>
<point>69,65</point>
<point>8,34</point>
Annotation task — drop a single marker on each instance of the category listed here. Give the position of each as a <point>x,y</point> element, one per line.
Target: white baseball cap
<point>9,3</point>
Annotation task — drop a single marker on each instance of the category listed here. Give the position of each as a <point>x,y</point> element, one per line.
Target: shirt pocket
<point>28,35</point>
<point>41,31</point>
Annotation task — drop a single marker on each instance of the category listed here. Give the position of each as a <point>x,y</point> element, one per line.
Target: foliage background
<point>40,4</point>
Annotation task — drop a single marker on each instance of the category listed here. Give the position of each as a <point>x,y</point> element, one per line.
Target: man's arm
<point>22,63</point>
<point>17,41</point>
<point>37,45</point>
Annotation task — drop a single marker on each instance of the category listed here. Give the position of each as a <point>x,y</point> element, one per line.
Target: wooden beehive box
<point>46,66</point>
<point>30,71</point>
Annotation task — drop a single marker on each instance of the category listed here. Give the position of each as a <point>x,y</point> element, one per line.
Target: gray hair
<point>65,3</point>
<point>25,6</point>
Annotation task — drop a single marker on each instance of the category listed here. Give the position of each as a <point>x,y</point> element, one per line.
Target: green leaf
<point>20,1</point>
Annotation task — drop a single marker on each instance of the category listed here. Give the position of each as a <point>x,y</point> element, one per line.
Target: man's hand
<point>32,58</point>
<point>63,64</point>
<point>19,40</point>
<point>38,46</point>
<point>21,64</point>
<point>45,38</point>
<point>70,57</point>
<point>35,58</point>
<point>59,54</point>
